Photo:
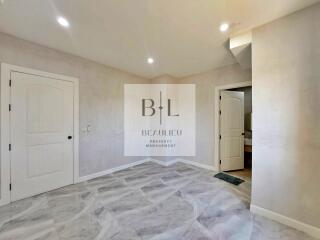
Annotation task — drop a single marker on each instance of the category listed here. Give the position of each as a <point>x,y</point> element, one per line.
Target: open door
<point>232,130</point>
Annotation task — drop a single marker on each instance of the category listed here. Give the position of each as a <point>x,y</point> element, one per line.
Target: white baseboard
<point>163,163</point>
<point>112,170</point>
<point>196,164</point>
<point>309,229</point>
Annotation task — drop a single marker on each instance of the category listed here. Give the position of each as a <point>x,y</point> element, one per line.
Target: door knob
<point>242,134</point>
<point>69,137</point>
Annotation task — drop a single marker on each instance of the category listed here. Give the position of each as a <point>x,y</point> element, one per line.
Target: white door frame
<point>6,70</point>
<point>217,117</point>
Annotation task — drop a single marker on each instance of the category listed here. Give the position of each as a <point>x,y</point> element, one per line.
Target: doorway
<point>234,129</point>
<point>40,129</point>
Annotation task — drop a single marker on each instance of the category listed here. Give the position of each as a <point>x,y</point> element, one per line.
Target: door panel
<point>232,147</point>
<point>41,121</point>
<point>231,129</point>
<point>44,159</point>
<point>44,117</point>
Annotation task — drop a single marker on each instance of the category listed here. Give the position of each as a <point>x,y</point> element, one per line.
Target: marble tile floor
<point>148,201</point>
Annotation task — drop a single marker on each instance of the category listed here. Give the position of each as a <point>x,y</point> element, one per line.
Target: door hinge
<point>9,107</point>
<point>10,147</point>
<point>10,186</point>
<point>220,136</point>
<point>220,112</point>
<point>220,97</point>
<point>220,162</point>
<point>10,83</point>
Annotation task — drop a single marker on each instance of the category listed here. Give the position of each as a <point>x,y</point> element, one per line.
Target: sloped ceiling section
<point>240,47</point>
<point>181,35</point>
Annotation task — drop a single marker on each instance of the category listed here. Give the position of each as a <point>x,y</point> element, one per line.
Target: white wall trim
<point>6,70</point>
<point>309,229</point>
<point>181,160</point>
<point>76,127</point>
<point>112,170</point>
<point>163,163</point>
<point>217,118</point>
<point>5,135</point>
<point>196,164</point>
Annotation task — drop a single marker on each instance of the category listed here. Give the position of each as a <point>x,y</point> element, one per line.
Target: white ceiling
<point>182,35</point>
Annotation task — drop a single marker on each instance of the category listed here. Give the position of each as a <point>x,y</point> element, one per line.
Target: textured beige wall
<point>101,99</point>
<point>205,106</point>
<point>286,116</point>
<point>205,96</point>
<point>164,79</point>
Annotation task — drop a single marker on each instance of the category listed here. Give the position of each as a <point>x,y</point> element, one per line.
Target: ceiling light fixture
<point>150,60</point>
<point>63,22</point>
<point>224,27</point>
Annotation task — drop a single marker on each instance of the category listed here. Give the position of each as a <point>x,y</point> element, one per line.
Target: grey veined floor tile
<point>148,201</point>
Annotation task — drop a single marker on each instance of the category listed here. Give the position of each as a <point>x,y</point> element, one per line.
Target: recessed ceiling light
<point>150,60</point>
<point>224,27</point>
<point>63,22</point>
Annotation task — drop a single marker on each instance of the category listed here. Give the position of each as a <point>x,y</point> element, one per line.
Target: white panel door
<point>232,130</point>
<point>41,125</point>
